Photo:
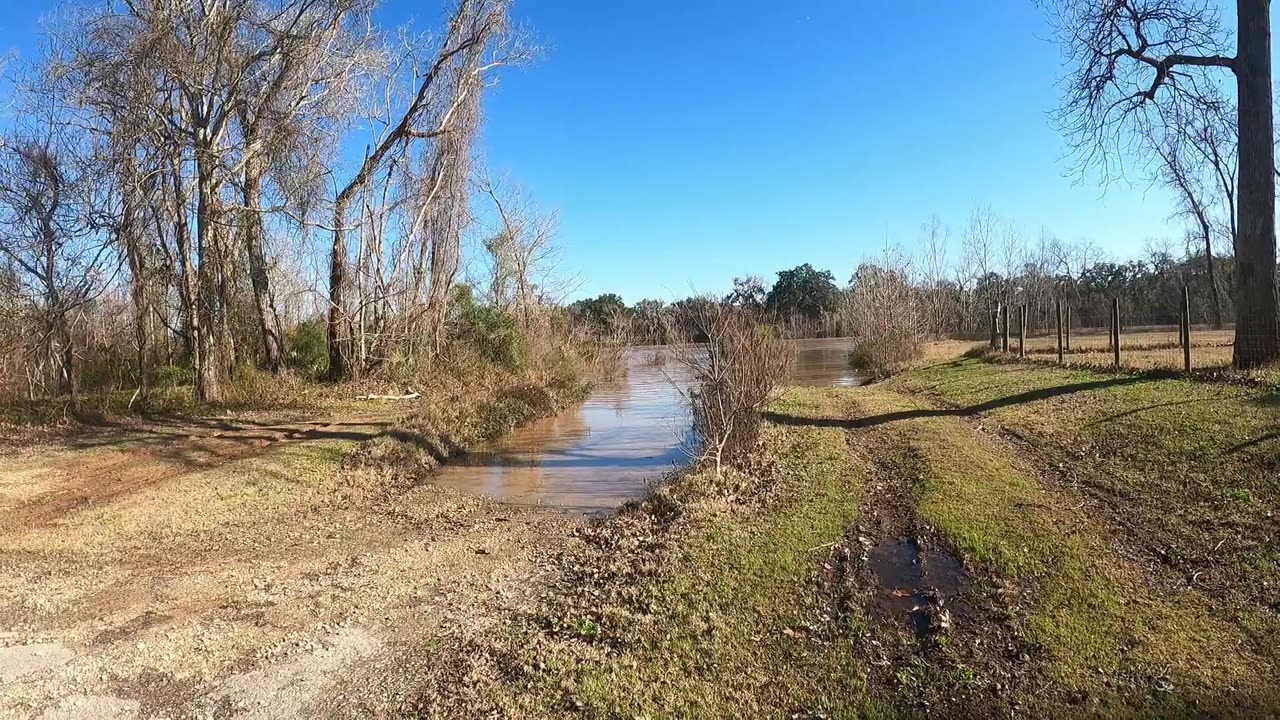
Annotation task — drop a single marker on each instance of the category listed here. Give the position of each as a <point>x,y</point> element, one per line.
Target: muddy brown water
<point>915,581</point>
<point>613,447</point>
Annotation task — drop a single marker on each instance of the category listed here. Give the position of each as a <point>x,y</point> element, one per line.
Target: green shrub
<point>490,331</point>
<point>306,349</point>
<point>172,376</point>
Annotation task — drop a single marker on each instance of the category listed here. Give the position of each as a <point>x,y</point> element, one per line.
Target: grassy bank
<point>687,604</point>
<point>1113,537</point>
<point>1185,470</point>
<point>461,415</point>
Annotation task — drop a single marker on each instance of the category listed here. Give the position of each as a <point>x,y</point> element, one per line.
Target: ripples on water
<point>610,449</point>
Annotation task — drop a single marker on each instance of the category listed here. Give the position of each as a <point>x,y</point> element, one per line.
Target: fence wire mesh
<point>1174,330</point>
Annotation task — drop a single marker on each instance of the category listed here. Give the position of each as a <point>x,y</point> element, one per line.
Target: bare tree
<point>1137,65</point>
<point>885,314</point>
<point>1185,153</point>
<point>979,258</point>
<point>523,252</point>
<point>302,79</point>
<point>51,239</point>
<point>443,108</point>
<point>934,239</point>
<point>735,373</point>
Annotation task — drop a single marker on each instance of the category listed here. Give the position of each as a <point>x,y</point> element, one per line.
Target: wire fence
<point>1182,346</point>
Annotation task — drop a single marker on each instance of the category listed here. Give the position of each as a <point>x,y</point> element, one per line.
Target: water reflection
<point>597,456</point>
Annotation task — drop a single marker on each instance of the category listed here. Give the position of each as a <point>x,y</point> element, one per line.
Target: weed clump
<point>736,372</point>
<point>886,318</point>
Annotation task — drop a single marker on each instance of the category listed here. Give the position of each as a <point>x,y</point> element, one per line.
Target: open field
<point>967,539</point>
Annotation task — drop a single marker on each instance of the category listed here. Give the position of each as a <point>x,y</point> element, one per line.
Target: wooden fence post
<point>1186,329</point>
<point>1182,329</point>
<point>1115,330</point>
<point>1057,306</point>
<point>1068,321</point>
<point>995,328</point>
<point>1022,330</point>
<point>1004,336</point>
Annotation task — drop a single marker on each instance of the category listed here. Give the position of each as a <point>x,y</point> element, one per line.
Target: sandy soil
<point>237,569</point>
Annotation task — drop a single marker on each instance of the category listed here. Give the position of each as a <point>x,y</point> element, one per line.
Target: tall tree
<point>442,102</point>
<point>1137,64</point>
<point>803,291</point>
<point>49,235</point>
<point>301,82</point>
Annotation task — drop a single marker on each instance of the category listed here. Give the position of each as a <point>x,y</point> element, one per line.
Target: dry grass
<point>1143,349</point>
<point>736,372</point>
<point>186,561</point>
<point>936,351</point>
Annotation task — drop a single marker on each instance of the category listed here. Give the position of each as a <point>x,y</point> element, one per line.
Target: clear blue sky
<point>685,142</point>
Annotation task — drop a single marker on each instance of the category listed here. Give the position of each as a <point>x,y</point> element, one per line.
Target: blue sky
<point>685,142</point>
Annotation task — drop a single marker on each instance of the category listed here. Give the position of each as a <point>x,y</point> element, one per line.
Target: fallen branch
<point>410,396</point>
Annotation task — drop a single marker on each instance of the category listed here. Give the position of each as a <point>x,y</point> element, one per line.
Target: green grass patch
<point>1191,467</point>
<point>1115,641</point>
<point>732,625</point>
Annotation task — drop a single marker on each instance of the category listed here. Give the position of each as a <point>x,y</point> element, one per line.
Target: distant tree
<point>602,312</point>
<point>649,320</point>
<point>803,291</point>
<point>748,293</point>
<point>1135,66</point>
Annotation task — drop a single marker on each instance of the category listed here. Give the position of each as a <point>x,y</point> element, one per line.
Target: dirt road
<point>237,569</point>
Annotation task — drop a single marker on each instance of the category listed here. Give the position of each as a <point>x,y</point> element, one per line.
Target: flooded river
<point>610,449</point>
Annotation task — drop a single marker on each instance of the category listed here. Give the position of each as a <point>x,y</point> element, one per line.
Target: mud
<point>233,569</point>
<point>940,637</point>
<point>923,585</point>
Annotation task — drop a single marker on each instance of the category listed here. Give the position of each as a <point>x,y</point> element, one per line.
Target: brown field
<point>251,568</point>
<point>1141,349</point>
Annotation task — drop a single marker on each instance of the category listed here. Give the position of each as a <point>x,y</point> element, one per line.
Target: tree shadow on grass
<point>1017,399</point>
<point>1247,444</point>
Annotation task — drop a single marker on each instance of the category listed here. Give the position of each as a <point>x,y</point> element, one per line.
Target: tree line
<point>952,281</point>
<point>176,167</point>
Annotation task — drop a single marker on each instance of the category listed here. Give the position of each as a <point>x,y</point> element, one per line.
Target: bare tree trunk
<point>67,375</point>
<point>227,347</point>
<point>137,290</point>
<point>1215,296</point>
<point>259,277</point>
<point>187,283</point>
<point>1257,325</point>
<point>338,368</point>
<point>207,386</point>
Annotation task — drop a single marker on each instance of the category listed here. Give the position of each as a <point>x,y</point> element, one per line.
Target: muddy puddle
<point>626,436</point>
<point>918,583</point>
